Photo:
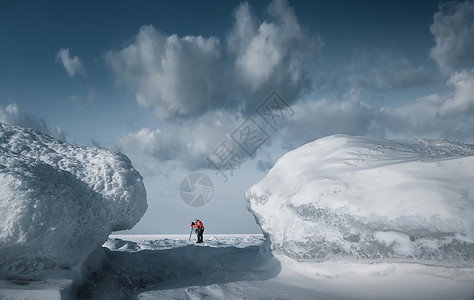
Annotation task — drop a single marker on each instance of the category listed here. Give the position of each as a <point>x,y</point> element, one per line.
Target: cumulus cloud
<point>453,30</point>
<point>184,77</point>
<point>177,77</point>
<point>12,115</point>
<point>190,143</point>
<point>185,145</point>
<point>73,65</point>
<point>275,53</point>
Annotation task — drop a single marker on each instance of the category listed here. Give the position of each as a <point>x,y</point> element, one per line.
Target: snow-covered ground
<point>342,218</point>
<point>234,267</point>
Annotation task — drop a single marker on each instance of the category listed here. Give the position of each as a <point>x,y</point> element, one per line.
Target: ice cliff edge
<point>361,198</point>
<point>59,202</point>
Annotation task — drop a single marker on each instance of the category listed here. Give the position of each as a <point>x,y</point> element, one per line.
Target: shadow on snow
<point>126,273</point>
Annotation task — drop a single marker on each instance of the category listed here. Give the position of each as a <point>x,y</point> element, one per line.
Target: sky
<point>225,88</point>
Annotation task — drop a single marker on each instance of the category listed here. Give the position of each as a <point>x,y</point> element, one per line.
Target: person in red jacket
<point>199,228</point>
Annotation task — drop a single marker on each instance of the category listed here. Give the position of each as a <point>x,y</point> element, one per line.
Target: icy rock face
<point>358,198</point>
<point>59,202</point>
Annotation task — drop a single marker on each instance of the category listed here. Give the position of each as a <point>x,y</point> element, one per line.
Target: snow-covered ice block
<point>360,198</point>
<point>59,202</point>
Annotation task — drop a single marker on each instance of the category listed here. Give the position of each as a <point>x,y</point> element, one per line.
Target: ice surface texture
<point>359,198</point>
<point>59,202</point>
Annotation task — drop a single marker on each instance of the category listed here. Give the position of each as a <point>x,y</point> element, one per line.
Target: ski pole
<point>190,234</point>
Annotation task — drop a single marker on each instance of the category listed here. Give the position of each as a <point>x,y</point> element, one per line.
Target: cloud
<point>189,143</point>
<point>314,119</point>
<point>177,77</point>
<point>264,165</point>
<point>185,145</point>
<point>276,53</point>
<point>453,30</point>
<point>378,71</point>
<point>185,77</point>
<point>449,116</point>
<point>435,116</point>
<point>202,108</point>
<point>12,115</point>
<point>73,65</point>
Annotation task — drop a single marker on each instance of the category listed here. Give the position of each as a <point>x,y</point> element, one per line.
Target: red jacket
<point>198,224</point>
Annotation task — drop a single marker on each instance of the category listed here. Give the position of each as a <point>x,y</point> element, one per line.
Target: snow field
<point>235,267</point>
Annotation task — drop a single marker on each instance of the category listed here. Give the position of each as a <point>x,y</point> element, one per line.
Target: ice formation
<point>59,202</point>
<point>360,198</point>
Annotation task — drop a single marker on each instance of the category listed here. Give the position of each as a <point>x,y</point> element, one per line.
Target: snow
<point>157,267</point>
<point>344,218</point>
<point>237,267</point>
<point>345,198</point>
<point>59,202</point>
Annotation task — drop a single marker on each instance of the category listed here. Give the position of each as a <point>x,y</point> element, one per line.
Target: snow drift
<point>360,198</point>
<point>59,202</point>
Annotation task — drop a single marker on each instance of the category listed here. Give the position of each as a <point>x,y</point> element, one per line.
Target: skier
<point>199,228</point>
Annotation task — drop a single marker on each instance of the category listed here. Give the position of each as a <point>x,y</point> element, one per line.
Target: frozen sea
<point>234,266</point>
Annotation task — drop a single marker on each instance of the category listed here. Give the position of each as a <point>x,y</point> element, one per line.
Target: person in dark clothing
<point>199,228</point>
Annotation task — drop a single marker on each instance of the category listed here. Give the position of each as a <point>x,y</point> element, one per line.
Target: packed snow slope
<point>365,199</point>
<point>59,202</point>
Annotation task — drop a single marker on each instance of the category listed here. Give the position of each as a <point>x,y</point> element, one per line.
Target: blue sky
<point>167,82</point>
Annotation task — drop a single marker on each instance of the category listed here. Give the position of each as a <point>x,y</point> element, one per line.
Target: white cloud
<point>177,77</point>
<point>73,65</point>
<point>243,30</point>
<point>187,144</point>
<point>183,77</point>
<point>453,30</point>
<point>12,115</point>
<point>277,53</point>
<point>450,116</point>
<point>434,116</point>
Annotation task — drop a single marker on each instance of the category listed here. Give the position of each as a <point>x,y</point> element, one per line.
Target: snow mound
<point>59,202</point>
<point>360,198</point>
